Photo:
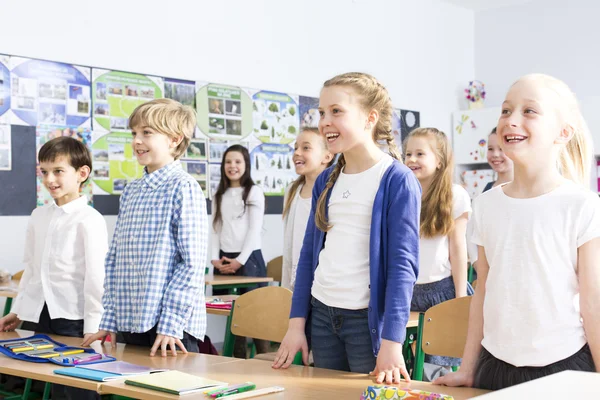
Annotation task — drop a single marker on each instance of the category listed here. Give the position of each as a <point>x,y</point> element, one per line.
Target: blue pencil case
<point>41,349</point>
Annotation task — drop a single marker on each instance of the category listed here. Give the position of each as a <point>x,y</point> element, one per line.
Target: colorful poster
<point>475,180</point>
<point>5,149</point>
<point>116,94</point>
<point>272,167</point>
<point>44,133</point>
<point>115,165</point>
<point>196,150</point>
<point>194,162</point>
<point>409,120</point>
<point>198,171</point>
<point>216,150</point>
<point>45,92</point>
<point>4,89</point>
<point>275,117</point>
<point>224,112</point>
<point>181,91</point>
<point>214,176</point>
<point>309,112</point>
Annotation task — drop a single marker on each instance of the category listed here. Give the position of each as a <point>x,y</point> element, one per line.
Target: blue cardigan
<point>393,254</point>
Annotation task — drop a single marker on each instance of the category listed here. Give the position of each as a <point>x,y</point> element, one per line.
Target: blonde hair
<point>436,204</point>
<point>302,179</point>
<point>168,117</point>
<point>575,158</point>
<point>373,96</point>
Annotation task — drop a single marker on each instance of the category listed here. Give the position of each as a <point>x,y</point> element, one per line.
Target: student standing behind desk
<point>154,291</point>
<point>61,288</point>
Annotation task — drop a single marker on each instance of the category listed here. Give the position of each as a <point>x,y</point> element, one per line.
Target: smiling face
<point>235,166</point>
<point>343,121</point>
<point>310,153</point>
<point>496,157</point>
<point>530,125</point>
<point>62,180</point>
<point>421,158</point>
<point>152,149</point>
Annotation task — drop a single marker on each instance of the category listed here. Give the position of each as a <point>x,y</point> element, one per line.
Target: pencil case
<point>381,392</point>
<point>41,348</point>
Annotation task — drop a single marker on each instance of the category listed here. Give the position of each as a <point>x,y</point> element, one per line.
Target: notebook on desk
<point>174,382</point>
<point>107,371</point>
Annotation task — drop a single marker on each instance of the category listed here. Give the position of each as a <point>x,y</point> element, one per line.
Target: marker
<point>240,389</point>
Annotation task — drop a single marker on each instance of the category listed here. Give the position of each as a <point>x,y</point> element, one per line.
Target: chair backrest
<point>274,268</point>
<point>445,328</point>
<point>262,313</point>
<point>17,275</point>
<point>474,284</point>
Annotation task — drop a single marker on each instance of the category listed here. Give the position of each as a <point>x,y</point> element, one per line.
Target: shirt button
<point>370,309</point>
<point>373,331</point>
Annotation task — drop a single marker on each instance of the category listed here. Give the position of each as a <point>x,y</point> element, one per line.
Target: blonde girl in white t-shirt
<point>535,310</point>
<point>311,157</point>
<point>445,210</point>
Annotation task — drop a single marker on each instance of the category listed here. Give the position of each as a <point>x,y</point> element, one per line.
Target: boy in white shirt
<point>62,285</point>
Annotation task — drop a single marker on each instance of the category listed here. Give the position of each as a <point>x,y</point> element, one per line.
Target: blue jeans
<point>340,338</point>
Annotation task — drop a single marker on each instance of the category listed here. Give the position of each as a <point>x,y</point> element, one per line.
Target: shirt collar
<point>158,177</point>
<point>72,206</point>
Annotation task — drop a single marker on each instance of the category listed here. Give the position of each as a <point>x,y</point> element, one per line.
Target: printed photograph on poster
<point>181,91</point>
<point>4,89</point>
<point>196,150</point>
<point>275,117</point>
<point>216,150</point>
<point>5,148</point>
<point>115,94</point>
<point>45,133</point>
<point>309,112</point>
<point>224,112</point>
<point>272,167</point>
<point>45,92</point>
<point>115,164</point>
<point>196,169</point>
<point>409,120</point>
<point>214,177</point>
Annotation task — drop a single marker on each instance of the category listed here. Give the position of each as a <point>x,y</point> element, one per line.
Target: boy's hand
<point>89,338</point>
<point>230,266</point>
<point>163,341</point>
<point>9,322</point>
<point>390,363</point>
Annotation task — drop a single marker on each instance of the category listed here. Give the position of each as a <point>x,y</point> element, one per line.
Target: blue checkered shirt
<point>155,265</point>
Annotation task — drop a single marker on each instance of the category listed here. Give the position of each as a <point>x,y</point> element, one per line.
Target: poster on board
<point>5,148</point>
<point>224,112</point>
<point>4,89</point>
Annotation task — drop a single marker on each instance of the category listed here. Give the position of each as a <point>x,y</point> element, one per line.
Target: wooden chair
<point>17,275</point>
<point>274,269</point>
<point>443,331</point>
<point>262,314</point>
<point>474,284</point>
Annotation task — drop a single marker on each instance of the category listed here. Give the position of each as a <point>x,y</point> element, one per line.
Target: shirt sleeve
<point>215,238</point>
<point>255,207</point>
<point>461,202</point>
<point>186,286</point>
<point>476,237</point>
<point>95,241</point>
<point>589,220</point>
<point>286,267</point>
<point>28,257</point>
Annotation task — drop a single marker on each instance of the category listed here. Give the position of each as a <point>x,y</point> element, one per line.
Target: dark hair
<point>245,181</point>
<point>493,132</point>
<point>76,152</point>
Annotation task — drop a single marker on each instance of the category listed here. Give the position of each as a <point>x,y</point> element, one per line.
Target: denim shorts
<point>340,338</point>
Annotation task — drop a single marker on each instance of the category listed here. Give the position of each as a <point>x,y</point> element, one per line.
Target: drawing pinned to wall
<point>460,123</point>
<point>479,153</point>
<point>115,164</point>
<point>275,117</point>
<point>4,89</point>
<point>309,112</point>
<point>224,112</point>
<point>409,120</point>
<point>46,92</point>
<point>116,94</point>
<point>181,91</point>
<point>45,133</point>
<point>475,180</point>
<point>5,148</point>
<point>272,167</point>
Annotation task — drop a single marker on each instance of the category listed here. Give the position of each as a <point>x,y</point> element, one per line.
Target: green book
<point>174,382</point>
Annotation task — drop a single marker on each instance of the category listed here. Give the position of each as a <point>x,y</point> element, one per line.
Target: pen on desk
<point>240,389</point>
<point>85,360</point>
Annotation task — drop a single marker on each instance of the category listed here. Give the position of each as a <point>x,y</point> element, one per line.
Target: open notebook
<point>107,371</point>
<point>174,382</point>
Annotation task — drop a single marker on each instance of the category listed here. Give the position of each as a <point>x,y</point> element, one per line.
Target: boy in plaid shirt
<point>154,285</point>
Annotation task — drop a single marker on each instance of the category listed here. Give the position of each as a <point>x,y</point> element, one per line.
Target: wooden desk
<point>133,354</point>
<point>235,282</point>
<point>564,385</point>
<point>220,311</point>
<point>299,383</point>
<point>9,294</point>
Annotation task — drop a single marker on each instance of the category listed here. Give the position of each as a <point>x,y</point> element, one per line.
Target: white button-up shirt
<point>64,264</point>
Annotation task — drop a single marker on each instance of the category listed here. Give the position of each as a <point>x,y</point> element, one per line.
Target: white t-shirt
<point>241,226</point>
<point>434,253</point>
<point>302,212</point>
<point>531,308</point>
<point>342,276</point>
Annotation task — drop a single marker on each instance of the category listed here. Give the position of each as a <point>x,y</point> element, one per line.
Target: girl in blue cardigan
<point>353,290</point>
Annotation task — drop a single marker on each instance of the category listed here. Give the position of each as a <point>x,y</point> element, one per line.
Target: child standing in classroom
<point>154,289</point>
<point>535,312</point>
<point>445,210</point>
<point>237,225</point>
<point>311,157</point>
<point>60,292</point>
<point>352,293</point>
<point>502,165</point>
